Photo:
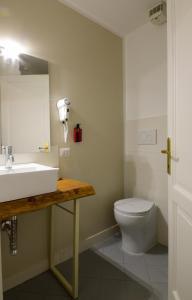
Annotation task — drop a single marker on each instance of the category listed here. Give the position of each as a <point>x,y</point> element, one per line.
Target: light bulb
<point>10,49</point>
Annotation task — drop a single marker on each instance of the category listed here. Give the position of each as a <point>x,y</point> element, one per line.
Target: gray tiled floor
<point>99,280</point>
<point>150,269</point>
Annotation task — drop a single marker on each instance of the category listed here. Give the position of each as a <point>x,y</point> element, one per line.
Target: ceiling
<point>118,16</point>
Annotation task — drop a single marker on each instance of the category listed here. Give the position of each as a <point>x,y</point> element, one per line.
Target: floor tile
<point>158,255</point>
<point>131,259</point>
<point>66,269</point>
<point>43,285</point>
<point>155,297</point>
<point>89,266</point>
<point>114,252</point>
<point>131,290</point>
<point>10,295</point>
<point>150,269</point>
<point>136,265</point>
<point>24,296</point>
<point>161,289</point>
<point>99,280</point>
<point>138,270</point>
<point>89,289</point>
<point>108,241</point>
<point>109,271</point>
<point>111,289</point>
<point>123,290</point>
<point>158,274</point>
<point>53,297</point>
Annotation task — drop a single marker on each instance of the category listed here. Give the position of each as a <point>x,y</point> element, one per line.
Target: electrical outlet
<point>64,152</point>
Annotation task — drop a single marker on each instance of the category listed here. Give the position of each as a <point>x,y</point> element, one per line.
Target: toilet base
<point>138,231</point>
<point>137,253</point>
<point>138,246</point>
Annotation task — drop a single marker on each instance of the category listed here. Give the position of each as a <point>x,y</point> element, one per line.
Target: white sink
<point>25,180</point>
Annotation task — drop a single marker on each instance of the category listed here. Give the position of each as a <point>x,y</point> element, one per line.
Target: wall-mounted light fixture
<point>9,49</point>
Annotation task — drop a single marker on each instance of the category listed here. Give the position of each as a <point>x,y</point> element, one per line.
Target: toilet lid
<point>133,206</point>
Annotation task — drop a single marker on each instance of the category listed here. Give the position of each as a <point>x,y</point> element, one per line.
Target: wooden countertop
<point>67,189</point>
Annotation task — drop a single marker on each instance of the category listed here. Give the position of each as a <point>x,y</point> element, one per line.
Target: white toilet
<point>137,221</point>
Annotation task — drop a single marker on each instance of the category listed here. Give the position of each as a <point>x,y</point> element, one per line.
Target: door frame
<point>171,110</point>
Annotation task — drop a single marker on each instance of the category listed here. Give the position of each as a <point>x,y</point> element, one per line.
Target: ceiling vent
<point>158,13</point>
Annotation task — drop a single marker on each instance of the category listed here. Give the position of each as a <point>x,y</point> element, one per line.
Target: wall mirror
<point>24,104</point>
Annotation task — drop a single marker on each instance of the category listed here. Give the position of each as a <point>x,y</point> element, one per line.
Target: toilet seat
<point>133,206</point>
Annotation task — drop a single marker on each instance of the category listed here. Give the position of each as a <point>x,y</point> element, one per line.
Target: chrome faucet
<point>7,151</point>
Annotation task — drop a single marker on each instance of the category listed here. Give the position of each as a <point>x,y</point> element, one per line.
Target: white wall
<point>146,108</point>
<point>145,58</point>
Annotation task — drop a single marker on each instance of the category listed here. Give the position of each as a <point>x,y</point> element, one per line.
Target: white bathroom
<point>95,188</point>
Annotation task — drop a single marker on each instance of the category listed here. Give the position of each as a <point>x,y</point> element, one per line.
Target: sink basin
<point>25,180</point>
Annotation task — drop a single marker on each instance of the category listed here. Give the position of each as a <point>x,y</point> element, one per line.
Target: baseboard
<point>64,254</point>
<point>21,277</point>
<point>86,244</point>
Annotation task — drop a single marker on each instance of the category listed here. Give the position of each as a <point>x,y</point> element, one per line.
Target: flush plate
<point>147,137</point>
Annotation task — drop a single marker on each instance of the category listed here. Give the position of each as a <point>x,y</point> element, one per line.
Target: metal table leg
<point>1,277</point>
<point>76,249</point>
<point>72,289</point>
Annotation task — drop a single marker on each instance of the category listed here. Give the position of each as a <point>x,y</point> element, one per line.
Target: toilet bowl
<point>137,221</point>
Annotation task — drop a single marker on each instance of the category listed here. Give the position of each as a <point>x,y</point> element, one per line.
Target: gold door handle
<point>44,148</point>
<point>164,151</point>
<point>169,156</point>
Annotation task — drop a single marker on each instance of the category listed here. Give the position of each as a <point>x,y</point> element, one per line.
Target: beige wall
<point>86,66</point>
<point>146,108</point>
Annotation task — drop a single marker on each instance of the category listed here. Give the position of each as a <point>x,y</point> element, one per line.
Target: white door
<point>180,131</point>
